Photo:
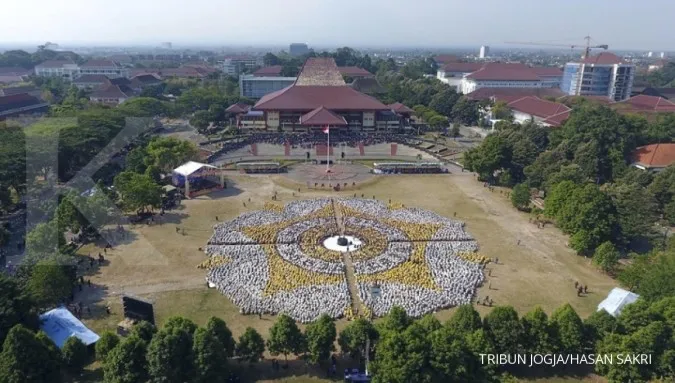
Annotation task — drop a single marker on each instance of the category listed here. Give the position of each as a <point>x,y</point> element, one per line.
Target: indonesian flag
<point>326,129</point>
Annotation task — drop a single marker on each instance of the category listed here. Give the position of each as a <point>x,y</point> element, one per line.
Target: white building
<point>235,65</point>
<point>251,86</point>
<point>57,68</point>
<point>453,73</point>
<point>605,74</point>
<point>503,75</point>
<point>484,51</point>
<point>107,68</point>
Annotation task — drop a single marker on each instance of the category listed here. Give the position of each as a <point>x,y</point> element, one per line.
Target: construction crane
<point>587,47</point>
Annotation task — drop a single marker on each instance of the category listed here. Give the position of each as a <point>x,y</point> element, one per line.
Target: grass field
<point>159,262</point>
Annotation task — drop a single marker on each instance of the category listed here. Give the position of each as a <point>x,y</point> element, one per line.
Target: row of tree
<point>402,349</point>
<point>592,192</point>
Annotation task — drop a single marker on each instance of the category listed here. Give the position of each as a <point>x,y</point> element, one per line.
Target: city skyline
<point>332,23</point>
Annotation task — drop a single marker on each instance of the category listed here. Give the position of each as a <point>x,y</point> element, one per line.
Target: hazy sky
<point>641,24</point>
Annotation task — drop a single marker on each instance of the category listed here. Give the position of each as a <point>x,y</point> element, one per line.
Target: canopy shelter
<point>616,300</point>
<point>198,177</point>
<point>59,325</point>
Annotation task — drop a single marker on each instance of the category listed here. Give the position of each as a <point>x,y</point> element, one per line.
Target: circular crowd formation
<point>276,260</point>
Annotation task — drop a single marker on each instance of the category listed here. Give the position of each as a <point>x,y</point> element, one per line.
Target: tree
<point>402,357</point>
<point>169,152</point>
<point>144,330</point>
<point>50,282</point>
<point>251,345</point>
<point>127,363</point>
<point>636,210</point>
<point>135,160</point>
<point>270,59</point>
<point>138,191</point>
<point>466,112</point>
<point>74,355</point>
<point>493,154</point>
<point>320,336</point>
<point>44,240</point>
<point>53,360</point>
<point>25,359</point>
<point>606,257</point>
<point>354,337</point>
<point>429,323</point>
<point>210,358</point>
<point>201,120</point>
<point>520,196</point>
<point>170,357</point>
<point>396,320</point>
<point>220,329</point>
<point>464,321</point>
<point>16,307</point>
<point>455,131</point>
<point>449,356</point>
<point>444,102</point>
<point>285,338</point>
<point>107,342</point>
<point>538,337</point>
<point>504,328</point>
<point>597,326</point>
<point>569,329</point>
<point>663,186</point>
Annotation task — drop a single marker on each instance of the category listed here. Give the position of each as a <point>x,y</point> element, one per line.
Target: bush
<point>107,342</point>
<point>74,355</point>
<point>520,197</point>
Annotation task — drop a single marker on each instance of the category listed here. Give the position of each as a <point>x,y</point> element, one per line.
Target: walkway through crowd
<point>350,273</point>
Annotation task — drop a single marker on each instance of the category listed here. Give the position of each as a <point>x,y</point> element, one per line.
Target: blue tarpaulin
<point>59,325</point>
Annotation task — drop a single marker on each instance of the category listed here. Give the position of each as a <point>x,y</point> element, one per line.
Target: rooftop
<point>462,67</point>
<point>322,117</point>
<point>537,107</point>
<point>354,71</point>
<point>8,104</point>
<point>239,107</point>
<point>269,71</point>
<point>55,64</point>
<point>644,103</point>
<point>603,58</point>
<point>655,155</point>
<point>320,71</point>
<point>99,64</point>
<point>505,71</point>
<point>19,90</point>
<point>111,91</point>
<point>91,78</point>
<point>445,59</point>
<point>511,94</point>
<point>400,108</point>
<point>309,97</point>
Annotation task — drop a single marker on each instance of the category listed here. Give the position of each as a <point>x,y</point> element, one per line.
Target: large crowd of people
<point>413,255</point>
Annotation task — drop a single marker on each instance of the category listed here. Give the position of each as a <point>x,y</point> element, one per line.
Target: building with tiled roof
<point>667,93</point>
<point>398,107</point>
<point>545,112</point>
<point>111,94</point>
<point>354,72</point>
<point>28,89</point>
<point>21,104</point>
<point>654,157</point>
<point>445,59</point>
<point>58,68</point>
<point>321,117</point>
<point>643,104</point>
<point>107,68</point>
<point>269,71</point>
<point>452,73</point>
<point>320,85</point>
<point>511,94</point>
<point>604,74</point>
<point>235,65</point>
<point>90,81</point>
<point>509,75</point>
<point>255,87</point>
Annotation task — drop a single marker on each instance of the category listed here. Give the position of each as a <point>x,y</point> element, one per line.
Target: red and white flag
<point>326,129</point>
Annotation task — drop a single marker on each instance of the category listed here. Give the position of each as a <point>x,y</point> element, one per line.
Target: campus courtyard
<point>159,261</point>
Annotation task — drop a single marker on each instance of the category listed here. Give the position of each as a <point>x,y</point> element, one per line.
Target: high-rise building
<point>650,53</point>
<point>298,49</point>
<point>484,51</point>
<point>663,55</point>
<point>603,75</point>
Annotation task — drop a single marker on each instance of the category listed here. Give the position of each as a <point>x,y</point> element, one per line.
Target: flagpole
<point>328,151</point>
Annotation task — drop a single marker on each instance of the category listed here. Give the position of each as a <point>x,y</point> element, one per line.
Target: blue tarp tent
<point>59,325</point>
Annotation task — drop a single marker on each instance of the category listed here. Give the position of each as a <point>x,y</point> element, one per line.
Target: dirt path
<point>350,274</point>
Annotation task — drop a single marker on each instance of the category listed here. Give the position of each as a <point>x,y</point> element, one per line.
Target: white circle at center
<point>331,243</point>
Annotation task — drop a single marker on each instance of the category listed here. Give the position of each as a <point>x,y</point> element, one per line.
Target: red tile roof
<point>91,78</point>
<point>306,98</point>
<point>655,155</point>
<point>322,116</point>
<point>462,67</point>
<point>603,58</point>
<point>504,71</point>
<point>237,108</point>
<point>400,108</point>
<point>445,59</point>
<point>511,94</point>
<point>9,104</point>
<point>547,71</point>
<point>537,107</point>
<point>110,91</point>
<point>646,103</point>
<point>269,71</point>
<point>354,71</point>
<point>558,119</point>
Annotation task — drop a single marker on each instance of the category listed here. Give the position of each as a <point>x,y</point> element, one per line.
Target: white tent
<point>616,300</point>
<point>190,167</point>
